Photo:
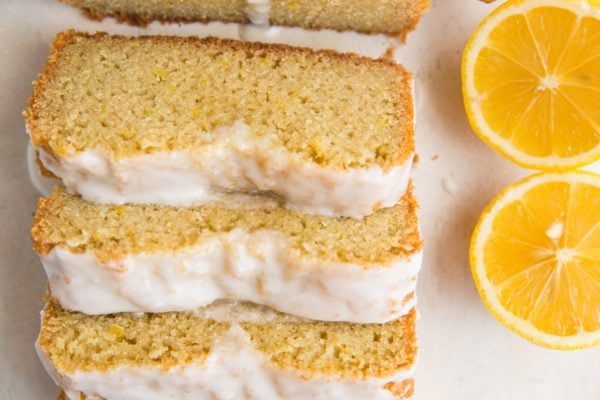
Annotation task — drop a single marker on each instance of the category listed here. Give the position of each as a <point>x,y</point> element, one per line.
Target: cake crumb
<point>450,186</point>
<point>389,53</point>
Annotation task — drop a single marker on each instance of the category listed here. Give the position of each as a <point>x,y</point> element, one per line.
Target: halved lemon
<point>535,259</point>
<point>531,82</point>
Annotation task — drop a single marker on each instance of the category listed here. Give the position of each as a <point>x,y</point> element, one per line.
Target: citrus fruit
<point>531,82</point>
<point>535,258</point>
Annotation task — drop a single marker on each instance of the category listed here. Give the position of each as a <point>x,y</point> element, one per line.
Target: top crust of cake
<point>392,17</point>
<point>133,96</point>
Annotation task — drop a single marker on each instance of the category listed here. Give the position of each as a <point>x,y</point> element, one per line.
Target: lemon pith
<point>535,259</point>
<point>531,82</point>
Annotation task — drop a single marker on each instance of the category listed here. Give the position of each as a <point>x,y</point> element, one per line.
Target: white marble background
<point>465,353</point>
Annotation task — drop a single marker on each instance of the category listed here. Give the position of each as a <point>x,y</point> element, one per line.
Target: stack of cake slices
<point>236,222</point>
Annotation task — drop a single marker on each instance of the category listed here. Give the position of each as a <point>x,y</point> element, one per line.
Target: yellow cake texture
<point>115,231</point>
<point>129,96</point>
<point>74,343</point>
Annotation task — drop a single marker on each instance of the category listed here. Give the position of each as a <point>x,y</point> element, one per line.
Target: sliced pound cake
<point>393,17</point>
<point>227,351</point>
<point>147,258</point>
<point>179,121</point>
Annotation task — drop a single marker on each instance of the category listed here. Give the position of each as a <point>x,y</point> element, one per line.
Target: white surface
<point>234,370</point>
<point>465,354</point>
<point>257,266</point>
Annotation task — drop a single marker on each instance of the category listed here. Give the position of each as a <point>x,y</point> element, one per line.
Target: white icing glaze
<point>235,160</point>
<point>258,11</point>
<point>257,267</point>
<point>240,311</point>
<point>234,370</point>
<point>374,46</point>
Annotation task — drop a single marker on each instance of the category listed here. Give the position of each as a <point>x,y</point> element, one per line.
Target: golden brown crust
<point>408,105</point>
<point>37,233</point>
<point>39,137</point>
<point>143,21</point>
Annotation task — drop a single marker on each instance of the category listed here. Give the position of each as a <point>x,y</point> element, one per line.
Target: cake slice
<point>227,351</point>
<point>134,258</point>
<point>393,17</point>
<point>179,121</point>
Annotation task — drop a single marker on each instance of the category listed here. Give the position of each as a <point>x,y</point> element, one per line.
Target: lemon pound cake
<point>135,258</point>
<point>171,120</point>
<point>226,351</point>
<point>392,17</point>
